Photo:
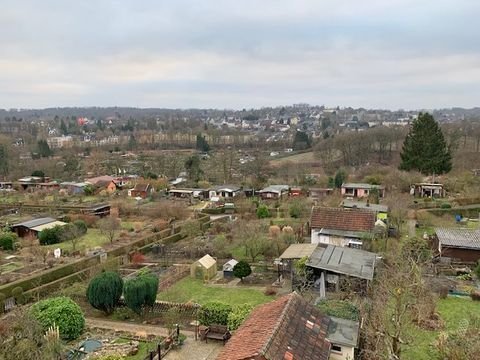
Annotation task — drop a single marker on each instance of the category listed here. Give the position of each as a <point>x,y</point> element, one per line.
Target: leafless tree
<point>109,227</point>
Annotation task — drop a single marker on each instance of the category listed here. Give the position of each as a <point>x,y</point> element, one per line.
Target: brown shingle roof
<point>287,328</point>
<point>342,219</point>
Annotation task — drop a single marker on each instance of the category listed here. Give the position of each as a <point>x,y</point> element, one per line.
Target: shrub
<point>263,212</point>
<point>238,315</point>
<point>60,311</point>
<point>214,313</point>
<point>50,236</point>
<point>270,291</point>
<point>8,240</point>
<point>104,291</point>
<point>134,292</point>
<point>242,269</point>
<point>17,293</point>
<point>138,258</point>
<point>446,206</point>
<point>81,226</point>
<point>123,313</point>
<point>151,287</point>
<point>475,295</point>
<point>339,308</point>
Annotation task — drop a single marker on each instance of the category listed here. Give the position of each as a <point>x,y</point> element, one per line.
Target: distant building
<point>380,210</point>
<point>33,227</point>
<point>428,190</point>
<point>458,244</point>
<point>360,190</point>
<point>274,192</point>
<point>141,190</point>
<point>225,191</point>
<point>204,268</point>
<point>228,268</point>
<point>59,142</point>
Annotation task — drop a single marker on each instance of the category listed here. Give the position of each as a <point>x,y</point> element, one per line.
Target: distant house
<point>341,227</point>
<point>105,182</point>
<point>428,190</point>
<point>6,185</point>
<point>295,191</point>
<point>274,192</point>
<point>228,268</point>
<point>458,244</point>
<point>141,190</point>
<point>204,268</point>
<point>380,210</point>
<point>34,182</point>
<point>288,328</point>
<point>225,191</point>
<point>74,188</point>
<point>33,227</point>
<point>343,335</point>
<point>360,190</point>
<point>188,193</point>
<point>318,193</point>
<point>332,264</point>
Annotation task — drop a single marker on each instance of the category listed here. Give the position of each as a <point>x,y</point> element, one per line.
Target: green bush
<point>242,269</point>
<point>8,240</point>
<point>339,308</point>
<point>17,293</point>
<point>50,236</point>
<point>446,206</point>
<point>81,226</point>
<point>263,212</point>
<point>214,313</point>
<point>60,311</point>
<point>104,291</point>
<point>123,313</point>
<point>238,316</point>
<point>151,287</point>
<point>134,293</point>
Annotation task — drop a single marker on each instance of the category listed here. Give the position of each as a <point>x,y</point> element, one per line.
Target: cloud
<point>396,54</point>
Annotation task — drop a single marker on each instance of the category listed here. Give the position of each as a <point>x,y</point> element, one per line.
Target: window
<point>336,348</point>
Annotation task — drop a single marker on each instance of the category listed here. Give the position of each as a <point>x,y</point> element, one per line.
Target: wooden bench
<point>217,332</point>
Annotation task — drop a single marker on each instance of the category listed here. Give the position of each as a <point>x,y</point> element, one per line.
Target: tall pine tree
<point>425,148</point>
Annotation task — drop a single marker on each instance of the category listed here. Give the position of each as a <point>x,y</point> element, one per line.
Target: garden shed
<point>204,268</point>
<point>228,268</point>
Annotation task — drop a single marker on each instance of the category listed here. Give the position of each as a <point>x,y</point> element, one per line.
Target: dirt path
<point>132,328</point>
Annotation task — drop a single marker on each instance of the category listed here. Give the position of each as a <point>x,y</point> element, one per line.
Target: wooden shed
<point>204,268</point>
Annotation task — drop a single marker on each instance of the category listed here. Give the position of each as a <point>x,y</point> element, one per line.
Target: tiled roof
<point>342,219</point>
<point>287,328</point>
<point>461,238</point>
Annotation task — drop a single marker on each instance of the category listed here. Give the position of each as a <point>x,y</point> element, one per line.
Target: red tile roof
<point>287,328</point>
<point>342,219</point>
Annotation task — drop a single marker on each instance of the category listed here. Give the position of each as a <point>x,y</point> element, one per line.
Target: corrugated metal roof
<point>343,260</point>
<point>461,238</point>
<point>298,251</point>
<point>48,226</point>
<point>35,222</point>
<point>275,189</point>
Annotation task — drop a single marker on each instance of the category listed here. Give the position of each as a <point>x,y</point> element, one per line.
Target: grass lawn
<point>296,158</point>
<point>189,289</point>
<point>452,310</point>
<point>92,238</point>
<point>11,266</point>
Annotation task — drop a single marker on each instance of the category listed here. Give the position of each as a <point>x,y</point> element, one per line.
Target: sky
<point>390,54</point>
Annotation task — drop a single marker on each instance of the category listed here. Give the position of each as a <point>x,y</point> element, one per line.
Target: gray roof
<point>344,260</point>
<point>35,222</point>
<point>343,233</point>
<point>351,204</point>
<point>362,186</point>
<point>228,188</point>
<point>275,189</point>
<point>298,251</point>
<point>343,331</point>
<point>460,238</point>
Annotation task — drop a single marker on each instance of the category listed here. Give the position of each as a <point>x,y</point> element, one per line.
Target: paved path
<point>195,350</point>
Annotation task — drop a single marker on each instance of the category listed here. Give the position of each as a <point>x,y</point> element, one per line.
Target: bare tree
<point>109,227</point>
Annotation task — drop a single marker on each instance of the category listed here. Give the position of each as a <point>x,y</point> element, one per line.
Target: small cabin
<point>228,268</point>
<point>204,269</point>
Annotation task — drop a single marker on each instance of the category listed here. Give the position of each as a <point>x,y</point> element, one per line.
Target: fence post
<point>159,349</point>
<point>152,355</point>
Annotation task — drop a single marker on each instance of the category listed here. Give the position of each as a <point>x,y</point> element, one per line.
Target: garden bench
<point>217,332</point>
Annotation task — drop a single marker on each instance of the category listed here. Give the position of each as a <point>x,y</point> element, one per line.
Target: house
<point>343,335</point>
<point>360,190</point>
<point>332,264</point>
<point>295,191</point>
<point>458,244</point>
<point>188,193</point>
<point>341,227</point>
<point>288,328</point>
<point>204,268</point>
<point>274,192</point>
<point>74,188</point>
<point>319,193</point>
<point>103,183</point>
<point>225,191</point>
<point>381,211</point>
<point>228,268</point>
<point>33,227</point>
<point>29,182</point>
<point>6,186</point>
<point>141,190</point>
<point>428,190</point>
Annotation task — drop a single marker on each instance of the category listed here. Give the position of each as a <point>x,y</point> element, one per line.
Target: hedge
<point>339,308</point>
<point>214,312</point>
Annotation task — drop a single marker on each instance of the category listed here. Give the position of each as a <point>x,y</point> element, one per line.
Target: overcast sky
<point>239,54</point>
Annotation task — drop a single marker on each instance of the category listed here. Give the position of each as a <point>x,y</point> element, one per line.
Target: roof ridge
<point>267,344</point>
